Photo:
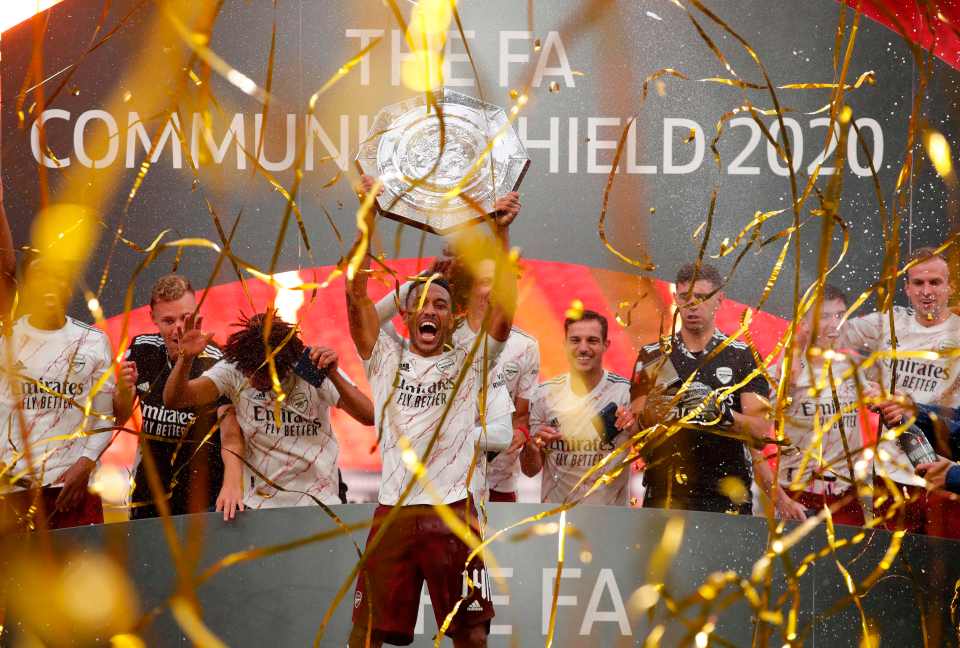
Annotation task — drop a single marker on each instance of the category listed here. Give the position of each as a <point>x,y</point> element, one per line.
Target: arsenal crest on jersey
<point>724,374</point>
<point>77,363</point>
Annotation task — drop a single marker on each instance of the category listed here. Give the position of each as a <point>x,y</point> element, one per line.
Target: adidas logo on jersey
<point>475,607</point>
<point>144,386</point>
<point>260,396</point>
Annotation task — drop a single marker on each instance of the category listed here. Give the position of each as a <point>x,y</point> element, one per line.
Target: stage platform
<point>279,600</point>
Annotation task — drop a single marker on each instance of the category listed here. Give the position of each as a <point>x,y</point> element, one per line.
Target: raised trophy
<point>408,137</point>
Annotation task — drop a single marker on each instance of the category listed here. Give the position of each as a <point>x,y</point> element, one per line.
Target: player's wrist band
<point>526,432</point>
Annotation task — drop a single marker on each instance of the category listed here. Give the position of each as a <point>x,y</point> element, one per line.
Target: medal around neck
<point>408,137</point>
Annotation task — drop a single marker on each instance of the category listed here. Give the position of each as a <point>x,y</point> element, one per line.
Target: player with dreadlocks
<point>287,444</point>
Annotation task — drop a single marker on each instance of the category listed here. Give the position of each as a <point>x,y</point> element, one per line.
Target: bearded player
<point>519,361</point>
<point>927,325</point>
<point>579,418</point>
<point>817,469</point>
<point>418,407</point>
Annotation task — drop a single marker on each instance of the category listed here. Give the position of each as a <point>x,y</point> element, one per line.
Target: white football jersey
<point>411,394</point>
<point>812,461</point>
<point>299,455</point>
<point>520,364</point>
<point>584,444</point>
<point>930,381</point>
<point>69,363</point>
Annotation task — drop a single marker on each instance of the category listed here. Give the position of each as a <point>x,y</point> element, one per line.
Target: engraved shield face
<point>444,169</point>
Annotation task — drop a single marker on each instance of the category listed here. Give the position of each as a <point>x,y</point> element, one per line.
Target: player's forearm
<point>504,299</point>
<point>387,307</point>
<point>521,412</point>
<point>762,473</point>
<point>361,312</point>
<point>751,425</point>
<point>364,323</point>
<point>503,235</point>
<point>231,448</point>
<point>99,431</point>
<point>122,405</point>
<point>352,401</point>
<point>176,392</point>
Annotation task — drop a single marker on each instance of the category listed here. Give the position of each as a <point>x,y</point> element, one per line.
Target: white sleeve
<point>99,431</point>
<point>387,306</point>
<point>499,402</point>
<point>498,435</point>
<point>493,349</point>
<point>386,347</point>
<point>623,399</point>
<point>862,333</point>
<point>387,309</point>
<point>228,380</point>
<point>529,372</point>
<point>538,415</point>
<point>329,392</point>
<point>97,441</point>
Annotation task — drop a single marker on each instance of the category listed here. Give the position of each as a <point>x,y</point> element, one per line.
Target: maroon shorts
<point>416,547</point>
<point>503,496</point>
<point>15,510</point>
<point>850,513</point>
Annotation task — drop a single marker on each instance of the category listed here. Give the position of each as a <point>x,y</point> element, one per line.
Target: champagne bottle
<point>914,443</point>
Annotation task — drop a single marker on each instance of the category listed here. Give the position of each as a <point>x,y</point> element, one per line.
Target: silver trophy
<point>440,197</point>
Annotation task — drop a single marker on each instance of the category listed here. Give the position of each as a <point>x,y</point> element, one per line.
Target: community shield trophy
<point>403,147</point>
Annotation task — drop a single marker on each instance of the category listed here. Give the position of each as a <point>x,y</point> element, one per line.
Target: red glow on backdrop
<point>546,290</point>
<point>939,33</point>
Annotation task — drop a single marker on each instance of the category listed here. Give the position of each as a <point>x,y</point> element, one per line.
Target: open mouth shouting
<point>428,331</point>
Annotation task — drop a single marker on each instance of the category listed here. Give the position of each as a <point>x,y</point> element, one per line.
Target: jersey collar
<point>714,340</point>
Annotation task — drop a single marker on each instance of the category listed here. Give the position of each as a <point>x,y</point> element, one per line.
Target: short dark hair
<point>417,284</point>
<point>926,253</point>
<point>587,315</point>
<point>245,346</point>
<point>831,293</point>
<point>706,272</point>
<point>169,288</point>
